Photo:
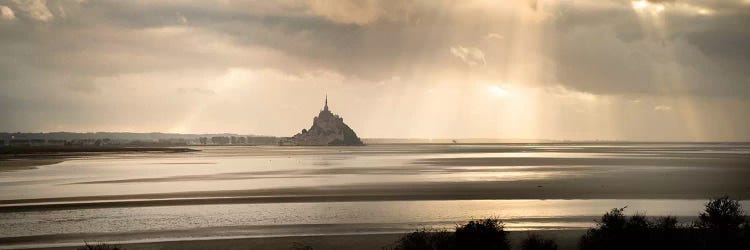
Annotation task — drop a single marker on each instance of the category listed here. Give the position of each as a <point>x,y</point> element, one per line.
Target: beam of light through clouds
<point>533,69</point>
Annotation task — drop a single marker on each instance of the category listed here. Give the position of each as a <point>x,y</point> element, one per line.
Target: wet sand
<point>25,164</point>
<point>675,185</point>
<point>24,158</point>
<point>699,176</point>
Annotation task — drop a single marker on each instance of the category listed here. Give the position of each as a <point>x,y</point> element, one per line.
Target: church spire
<point>325,108</point>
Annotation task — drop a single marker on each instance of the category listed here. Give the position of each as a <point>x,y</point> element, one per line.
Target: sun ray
<point>653,20</point>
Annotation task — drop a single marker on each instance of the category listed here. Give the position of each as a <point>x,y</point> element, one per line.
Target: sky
<point>525,69</point>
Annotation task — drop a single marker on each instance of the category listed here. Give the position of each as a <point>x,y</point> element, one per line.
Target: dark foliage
<point>721,226</point>
<point>100,246</point>
<point>617,231</point>
<point>722,214</point>
<point>300,246</point>
<point>481,234</point>
<point>426,239</point>
<point>536,242</point>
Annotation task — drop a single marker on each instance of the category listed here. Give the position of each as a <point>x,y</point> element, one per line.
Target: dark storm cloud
<point>610,52</point>
<point>95,38</point>
<point>101,38</point>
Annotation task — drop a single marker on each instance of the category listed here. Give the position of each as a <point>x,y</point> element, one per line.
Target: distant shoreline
<point>77,150</point>
<point>30,157</point>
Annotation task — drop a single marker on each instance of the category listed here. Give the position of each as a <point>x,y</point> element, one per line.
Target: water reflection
<point>375,216</point>
<point>247,168</point>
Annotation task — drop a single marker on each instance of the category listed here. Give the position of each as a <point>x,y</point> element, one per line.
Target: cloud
<point>82,85</point>
<point>533,4</point>
<point>36,9</point>
<point>694,56</point>
<point>663,108</point>
<point>199,91</point>
<point>6,13</point>
<point>471,56</point>
<point>361,12</point>
<point>349,11</point>
<point>494,36</point>
<point>383,39</point>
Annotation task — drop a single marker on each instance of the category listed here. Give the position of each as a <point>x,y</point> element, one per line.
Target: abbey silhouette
<point>328,129</point>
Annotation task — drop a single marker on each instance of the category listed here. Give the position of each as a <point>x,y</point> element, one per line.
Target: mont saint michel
<point>328,129</point>
<point>486,124</point>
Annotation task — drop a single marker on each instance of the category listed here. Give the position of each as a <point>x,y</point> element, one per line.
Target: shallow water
<point>376,188</point>
<point>242,168</point>
<point>396,215</point>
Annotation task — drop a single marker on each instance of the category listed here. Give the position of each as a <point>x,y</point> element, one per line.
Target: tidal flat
<point>380,189</point>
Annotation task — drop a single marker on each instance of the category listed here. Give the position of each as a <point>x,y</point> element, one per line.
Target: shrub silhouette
<point>536,242</point>
<point>723,225</point>
<point>426,239</point>
<point>617,231</point>
<point>482,234</point>
<point>300,246</point>
<point>100,246</point>
<point>486,234</point>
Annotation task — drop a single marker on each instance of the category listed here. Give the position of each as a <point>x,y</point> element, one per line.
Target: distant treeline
<point>130,139</point>
<point>111,135</point>
<point>238,140</point>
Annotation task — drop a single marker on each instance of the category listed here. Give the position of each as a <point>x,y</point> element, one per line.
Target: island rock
<point>328,129</point>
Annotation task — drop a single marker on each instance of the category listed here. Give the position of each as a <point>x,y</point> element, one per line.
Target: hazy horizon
<point>411,139</point>
<point>619,70</point>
